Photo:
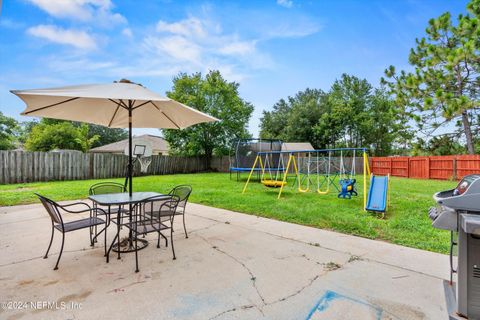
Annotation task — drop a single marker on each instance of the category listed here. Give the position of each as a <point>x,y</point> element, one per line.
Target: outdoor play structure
<point>318,171</point>
<point>244,152</point>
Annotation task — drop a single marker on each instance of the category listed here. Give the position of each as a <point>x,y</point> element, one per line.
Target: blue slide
<point>377,196</point>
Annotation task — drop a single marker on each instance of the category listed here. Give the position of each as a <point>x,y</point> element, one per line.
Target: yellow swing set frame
<point>292,163</point>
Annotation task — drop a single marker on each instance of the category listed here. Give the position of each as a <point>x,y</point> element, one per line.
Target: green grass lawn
<point>406,223</point>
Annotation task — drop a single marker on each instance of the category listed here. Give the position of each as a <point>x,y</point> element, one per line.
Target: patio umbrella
<point>120,104</point>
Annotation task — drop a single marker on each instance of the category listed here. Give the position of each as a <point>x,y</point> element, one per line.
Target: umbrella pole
<point>130,170</point>
<point>130,160</point>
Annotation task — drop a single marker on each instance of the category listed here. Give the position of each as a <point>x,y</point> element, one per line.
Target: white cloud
<point>76,38</point>
<point>287,30</point>
<point>192,27</point>
<point>285,3</point>
<point>238,48</point>
<point>127,32</point>
<point>195,44</point>
<point>64,9</point>
<point>199,43</point>
<point>82,10</point>
<point>176,47</point>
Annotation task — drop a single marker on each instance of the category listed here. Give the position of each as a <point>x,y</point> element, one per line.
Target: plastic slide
<point>377,195</point>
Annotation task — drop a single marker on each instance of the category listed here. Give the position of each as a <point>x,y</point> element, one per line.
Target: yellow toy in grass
<point>273,183</point>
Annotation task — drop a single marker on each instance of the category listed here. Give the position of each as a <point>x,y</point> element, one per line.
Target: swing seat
<point>273,183</point>
<point>323,192</point>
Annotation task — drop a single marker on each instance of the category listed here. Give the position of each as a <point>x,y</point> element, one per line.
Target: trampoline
<point>244,151</point>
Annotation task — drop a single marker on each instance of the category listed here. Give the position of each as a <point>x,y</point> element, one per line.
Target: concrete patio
<point>233,266</point>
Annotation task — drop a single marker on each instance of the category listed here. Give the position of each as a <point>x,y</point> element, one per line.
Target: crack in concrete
<point>126,286</point>
<point>253,278</point>
<point>352,259</point>
<point>309,284</point>
<point>205,228</point>
<point>311,281</point>
<point>327,248</point>
<point>244,307</point>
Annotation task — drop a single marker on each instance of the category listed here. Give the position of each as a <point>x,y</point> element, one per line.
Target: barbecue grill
<point>458,210</point>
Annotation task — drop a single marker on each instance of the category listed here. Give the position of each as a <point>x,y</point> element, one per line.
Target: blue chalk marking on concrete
<point>329,296</point>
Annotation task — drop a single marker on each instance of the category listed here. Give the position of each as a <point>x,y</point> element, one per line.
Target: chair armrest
<point>75,204</point>
<point>88,209</point>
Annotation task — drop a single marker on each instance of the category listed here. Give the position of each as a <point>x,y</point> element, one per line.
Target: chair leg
<point>118,238</point>
<point>171,242</point>
<point>136,254</point>
<point>91,232</point>
<point>103,230</point>
<point>95,238</point>
<point>61,251</point>
<point>50,244</point>
<point>91,236</point>
<point>166,240</point>
<point>158,240</point>
<point>105,243</point>
<point>184,228</point>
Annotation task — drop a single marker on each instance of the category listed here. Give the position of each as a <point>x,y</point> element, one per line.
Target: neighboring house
<point>297,146</point>
<point>159,145</point>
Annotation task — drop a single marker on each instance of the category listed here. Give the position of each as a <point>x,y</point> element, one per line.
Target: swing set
<point>320,166</point>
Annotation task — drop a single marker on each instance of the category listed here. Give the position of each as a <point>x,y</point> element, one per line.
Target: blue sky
<point>272,48</point>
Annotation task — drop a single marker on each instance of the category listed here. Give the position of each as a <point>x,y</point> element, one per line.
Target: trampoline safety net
<point>244,152</point>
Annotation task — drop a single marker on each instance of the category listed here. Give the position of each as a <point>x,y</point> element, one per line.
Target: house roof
<point>297,146</point>
<point>158,144</point>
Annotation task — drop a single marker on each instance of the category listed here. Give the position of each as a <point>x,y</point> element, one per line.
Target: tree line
<point>351,114</point>
<point>49,134</point>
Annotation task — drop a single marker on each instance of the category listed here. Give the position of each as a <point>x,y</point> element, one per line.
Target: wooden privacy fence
<point>20,167</point>
<point>432,167</point>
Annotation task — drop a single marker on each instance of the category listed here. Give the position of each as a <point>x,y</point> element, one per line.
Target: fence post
<point>408,167</point>
<point>454,168</point>
<point>428,167</point>
<point>91,165</point>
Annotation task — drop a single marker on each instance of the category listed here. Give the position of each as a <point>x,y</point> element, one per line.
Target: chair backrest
<point>182,192</point>
<point>159,206</point>
<point>52,208</point>
<point>106,188</point>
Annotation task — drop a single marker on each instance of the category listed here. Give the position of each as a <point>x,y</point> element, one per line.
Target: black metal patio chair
<point>155,214</point>
<point>183,193</point>
<point>54,210</point>
<point>108,188</point>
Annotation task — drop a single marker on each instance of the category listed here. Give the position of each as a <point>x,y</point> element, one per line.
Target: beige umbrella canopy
<point>109,105</point>
<point>120,104</point>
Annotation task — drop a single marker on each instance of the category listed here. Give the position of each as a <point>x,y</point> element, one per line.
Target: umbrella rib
<point>51,105</point>
<point>165,115</point>
<point>120,103</point>
<point>142,104</point>
<point>114,114</point>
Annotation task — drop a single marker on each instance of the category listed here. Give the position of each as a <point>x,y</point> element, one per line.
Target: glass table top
<point>123,198</point>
